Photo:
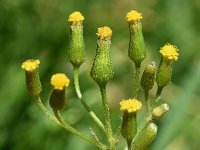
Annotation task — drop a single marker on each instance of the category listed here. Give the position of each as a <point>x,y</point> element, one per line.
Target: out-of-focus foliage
<point>39,29</point>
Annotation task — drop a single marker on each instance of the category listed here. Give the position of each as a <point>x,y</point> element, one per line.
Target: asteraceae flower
<point>104,32</point>
<point>131,105</point>
<point>75,17</point>
<point>59,81</point>
<point>32,76</point>
<point>133,16</point>
<point>30,65</point>
<point>169,52</point>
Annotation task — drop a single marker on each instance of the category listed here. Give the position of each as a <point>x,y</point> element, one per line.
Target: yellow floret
<point>59,81</point>
<point>133,16</point>
<point>131,105</point>
<point>75,17</point>
<point>30,65</point>
<point>169,52</point>
<point>104,32</point>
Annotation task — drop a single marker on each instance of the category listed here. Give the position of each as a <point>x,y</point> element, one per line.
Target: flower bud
<point>148,77</point>
<point>129,123</point>
<point>77,46</point>
<point>145,139</point>
<point>102,70</point>
<point>136,50</point>
<point>169,54</point>
<point>32,77</point>
<point>160,110</point>
<point>57,99</point>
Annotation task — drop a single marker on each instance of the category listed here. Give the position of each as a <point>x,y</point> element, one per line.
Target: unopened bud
<point>160,110</point>
<point>148,77</point>
<point>145,139</point>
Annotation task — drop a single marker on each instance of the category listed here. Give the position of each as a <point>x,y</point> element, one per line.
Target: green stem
<point>136,80</point>
<point>159,91</point>
<point>65,126</point>
<point>87,108</point>
<point>76,83</point>
<point>129,145</point>
<point>107,118</point>
<point>147,101</point>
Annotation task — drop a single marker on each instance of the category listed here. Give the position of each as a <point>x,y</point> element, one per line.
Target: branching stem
<point>60,121</point>
<point>87,108</point>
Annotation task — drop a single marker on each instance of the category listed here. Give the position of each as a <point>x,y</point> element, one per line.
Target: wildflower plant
<point>139,136</point>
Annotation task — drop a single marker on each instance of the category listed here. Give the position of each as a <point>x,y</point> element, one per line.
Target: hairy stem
<point>146,93</point>
<point>58,122</point>
<point>87,108</point>
<point>107,118</point>
<point>159,91</point>
<point>136,80</point>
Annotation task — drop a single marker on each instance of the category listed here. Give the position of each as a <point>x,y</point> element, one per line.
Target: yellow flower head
<point>131,105</point>
<point>169,52</point>
<point>104,32</point>
<point>30,65</point>
<point>59,81</point>
<point>133,16</point>
<point>75,17</point>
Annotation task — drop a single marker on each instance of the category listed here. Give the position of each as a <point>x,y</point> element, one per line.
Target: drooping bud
<point>169,54</point>
<point>148,77</point>
<point>77,47</point>
<point>58,99</point>
<point>102,70</point>
<point>145,139</point>
<point>129,123</point>
<point>160,110</point>
<point>136,50</point>
<point>32,77</point>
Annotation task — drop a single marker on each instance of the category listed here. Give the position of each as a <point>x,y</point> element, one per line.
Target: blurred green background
<point>39,29</point>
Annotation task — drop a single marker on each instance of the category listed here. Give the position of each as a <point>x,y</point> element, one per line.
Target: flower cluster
<point>138,137</point>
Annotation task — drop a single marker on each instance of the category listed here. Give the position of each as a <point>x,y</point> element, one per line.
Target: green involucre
<point>164,73</point>
<point>129,126</point>
<point>33,83</point>
<point>77,47</point>
<point>136,50</point>
<point>102,70</point>
<point>57,99</point>
<point>148,77</point>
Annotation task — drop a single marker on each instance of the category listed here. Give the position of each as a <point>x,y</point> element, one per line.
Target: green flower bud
<point>136,50</point>
<point>169,54</point>
<point>129,123</point>
<point>102,70</point>
<point>145,139</point>
<point>148,77</point>
<point>160,110</point>
<point>58,99</point>
<point>77,46</point>
<point>32,77</point>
